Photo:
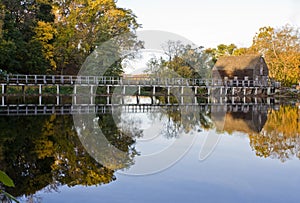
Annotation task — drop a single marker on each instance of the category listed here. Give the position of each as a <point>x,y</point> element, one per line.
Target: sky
<point>213,22</point>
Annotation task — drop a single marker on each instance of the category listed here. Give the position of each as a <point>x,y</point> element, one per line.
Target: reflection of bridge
<point>224,87</point>
<point>48,109</point>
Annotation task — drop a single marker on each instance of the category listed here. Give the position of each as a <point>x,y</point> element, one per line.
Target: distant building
<point>252,67</point>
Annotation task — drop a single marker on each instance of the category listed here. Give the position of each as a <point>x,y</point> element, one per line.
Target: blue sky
<point>212,22</point>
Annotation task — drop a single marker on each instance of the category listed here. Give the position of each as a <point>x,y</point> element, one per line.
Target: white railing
<point>110,80</point>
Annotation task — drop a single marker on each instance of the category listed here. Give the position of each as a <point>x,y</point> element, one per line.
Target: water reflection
<point>280,136</point>
<point>44,151</point>
<point>41,152</point>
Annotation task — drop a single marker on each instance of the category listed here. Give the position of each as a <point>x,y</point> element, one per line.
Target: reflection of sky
<point>231,174</point>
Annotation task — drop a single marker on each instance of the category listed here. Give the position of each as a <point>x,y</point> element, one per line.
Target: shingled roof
<point>237,62</point>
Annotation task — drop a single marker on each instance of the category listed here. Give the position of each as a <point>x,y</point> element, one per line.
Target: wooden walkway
<point>68,109</point>
<point>145,81</point>
<point>211,86</point>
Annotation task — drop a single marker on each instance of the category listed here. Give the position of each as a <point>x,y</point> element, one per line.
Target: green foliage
<point>85,25</point>
<point>44,36</point>
<point>20,52</point>
<point>221,50</point>
<point>181,61</point>
<point>6,180</point>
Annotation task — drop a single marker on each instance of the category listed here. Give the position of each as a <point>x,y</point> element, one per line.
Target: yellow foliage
<point>281,49</point>
<point>280,137</point>
<point>45,33</point>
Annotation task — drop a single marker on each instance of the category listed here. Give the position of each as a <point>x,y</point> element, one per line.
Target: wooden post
<point>181,95</point>
<point>107,89</point>
<point>124,90</point>
<point>57,99</point>
<point>75,99</point>
<point>168,95</point>
<point>75,94</point>
<point>108,92</point>
<point>3,100</point>
<point>269,91</point>
<point>91,94</point>
<point>40,89</point>
<point>75,89</point>
<point>57,89</point>
<point>3,88</point>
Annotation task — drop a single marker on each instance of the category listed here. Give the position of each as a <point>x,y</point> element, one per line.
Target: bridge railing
<point>110,80</point>
<point>58,79</point>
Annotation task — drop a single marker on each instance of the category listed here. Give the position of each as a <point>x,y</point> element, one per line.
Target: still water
<point>254,157</point>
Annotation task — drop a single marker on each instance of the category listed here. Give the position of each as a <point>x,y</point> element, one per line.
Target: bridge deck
<point>34,109</point>
<point>119,81</point>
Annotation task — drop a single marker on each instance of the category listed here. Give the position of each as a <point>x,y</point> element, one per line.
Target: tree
<point>82,25</point>
<point>221,50</point>
<point>181,60</point>
<point>65,32</point>
<point>281,49</point>
<point>19,47</point>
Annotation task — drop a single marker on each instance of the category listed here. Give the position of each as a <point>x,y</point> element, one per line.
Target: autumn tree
<point>281,49</point>
<point>20,44</point>
<point>82,25</point>
<point>56,36</point>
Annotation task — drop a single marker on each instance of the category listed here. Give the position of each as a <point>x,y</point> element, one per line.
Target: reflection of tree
<point>280,137</point>
<point>45,152</point>
<point>19,158</point>
<point>182,119</point>
<point>72,165</point>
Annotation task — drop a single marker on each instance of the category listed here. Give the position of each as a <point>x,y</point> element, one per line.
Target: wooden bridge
<point>69,109</point>
<point>211,86</point>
